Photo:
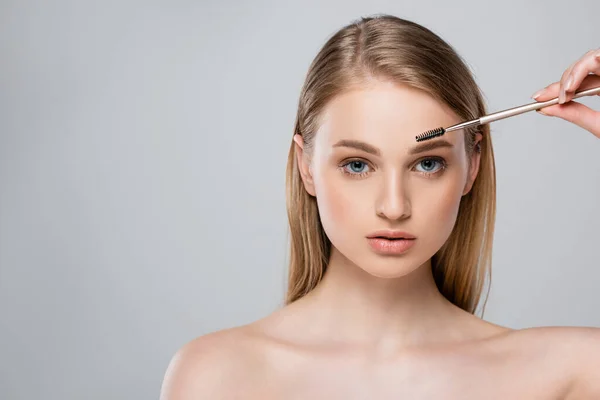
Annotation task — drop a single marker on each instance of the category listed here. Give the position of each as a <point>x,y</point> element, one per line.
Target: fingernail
<point>561,96</point>
<point>541,112</point>
<point>538,94</point>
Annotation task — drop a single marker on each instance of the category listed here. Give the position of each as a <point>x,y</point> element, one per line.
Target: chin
<point>384,266</point>
<point>393,267</point>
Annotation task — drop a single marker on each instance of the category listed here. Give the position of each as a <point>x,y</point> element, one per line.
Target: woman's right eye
<point>356,167</point>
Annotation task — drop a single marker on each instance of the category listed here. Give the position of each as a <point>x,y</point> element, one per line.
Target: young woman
<point>390,244</point>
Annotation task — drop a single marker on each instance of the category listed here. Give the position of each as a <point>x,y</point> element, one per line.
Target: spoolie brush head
<point>430,134</point>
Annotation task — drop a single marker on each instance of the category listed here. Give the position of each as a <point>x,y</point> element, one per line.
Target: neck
<point>351,306</point>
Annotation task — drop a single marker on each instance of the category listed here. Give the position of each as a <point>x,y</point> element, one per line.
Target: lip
<point>389,234</point>
<point>390,246</point>
<point>389,242</point>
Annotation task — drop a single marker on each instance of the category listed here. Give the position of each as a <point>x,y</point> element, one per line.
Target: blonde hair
<point>394,49</point>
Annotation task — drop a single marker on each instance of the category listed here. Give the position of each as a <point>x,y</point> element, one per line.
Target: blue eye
<point>356,167</point>
<point>429,165</point>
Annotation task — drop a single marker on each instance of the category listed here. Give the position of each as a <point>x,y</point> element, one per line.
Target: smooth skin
<point>376,327</point>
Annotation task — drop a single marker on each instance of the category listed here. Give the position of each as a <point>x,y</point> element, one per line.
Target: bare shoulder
<point>579,343</point>
<point>572,351</point>
<point>215,365</point>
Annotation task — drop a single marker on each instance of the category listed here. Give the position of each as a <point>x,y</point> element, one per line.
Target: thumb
<point>576,113</point>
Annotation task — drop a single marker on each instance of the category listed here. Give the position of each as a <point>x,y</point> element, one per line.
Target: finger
<point>590,63</point>
<point>547,93</point>
<point>551,91</point>
<point>576,113</point>
<point>591,56</point>
<point>561,92</point>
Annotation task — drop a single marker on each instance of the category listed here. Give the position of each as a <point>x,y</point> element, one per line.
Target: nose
<point>393,202</point>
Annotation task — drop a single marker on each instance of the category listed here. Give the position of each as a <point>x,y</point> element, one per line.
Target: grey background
<point>142,158</point>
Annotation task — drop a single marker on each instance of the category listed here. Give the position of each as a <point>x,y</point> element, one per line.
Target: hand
<point>581,75</point>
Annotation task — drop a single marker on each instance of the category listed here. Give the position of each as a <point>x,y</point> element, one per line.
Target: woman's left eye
<point>430,165</point>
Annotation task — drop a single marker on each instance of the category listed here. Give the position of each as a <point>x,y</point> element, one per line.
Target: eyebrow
<point>367,148</point>
<point>430,145</point>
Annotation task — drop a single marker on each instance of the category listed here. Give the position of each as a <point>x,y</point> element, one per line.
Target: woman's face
<point>371,178</point>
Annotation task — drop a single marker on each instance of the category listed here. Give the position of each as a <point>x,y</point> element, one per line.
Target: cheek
<point>341,203</point>
<point>441,204</point>
<point>331,199</point>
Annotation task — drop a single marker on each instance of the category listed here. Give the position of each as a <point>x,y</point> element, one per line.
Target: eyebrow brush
<point>486,119</point>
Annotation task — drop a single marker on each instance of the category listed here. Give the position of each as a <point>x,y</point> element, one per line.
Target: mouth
<point>389,238</point>
<point>391,235</point>
<point>391,242</point>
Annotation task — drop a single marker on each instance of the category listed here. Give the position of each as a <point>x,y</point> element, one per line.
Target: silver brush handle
<point>519,110</point>
<point>532,106</point>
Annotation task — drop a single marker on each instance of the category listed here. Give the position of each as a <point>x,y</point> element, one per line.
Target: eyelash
<point>429,175</point>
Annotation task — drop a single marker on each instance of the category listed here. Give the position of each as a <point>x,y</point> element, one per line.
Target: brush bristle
<point>430,134</point>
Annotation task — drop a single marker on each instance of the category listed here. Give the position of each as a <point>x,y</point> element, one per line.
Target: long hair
<point>405,52</point>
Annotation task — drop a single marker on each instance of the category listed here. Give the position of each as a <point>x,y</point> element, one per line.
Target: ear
<point>474,164</point>
<point>304,166</point>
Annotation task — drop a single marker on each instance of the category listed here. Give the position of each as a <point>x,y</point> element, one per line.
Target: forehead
<point>386,115</point>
